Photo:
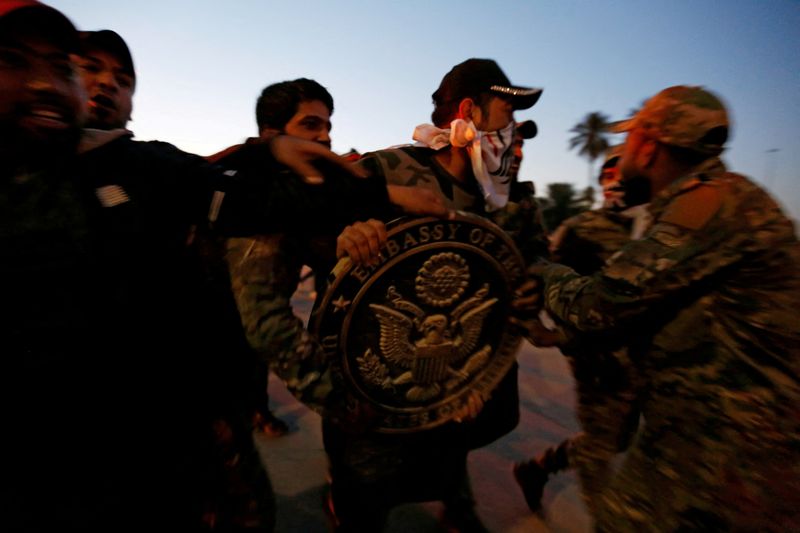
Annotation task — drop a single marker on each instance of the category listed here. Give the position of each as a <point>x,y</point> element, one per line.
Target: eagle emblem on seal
<point>430,353</point>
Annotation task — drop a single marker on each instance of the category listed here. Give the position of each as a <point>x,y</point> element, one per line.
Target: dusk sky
<point>201,65</point>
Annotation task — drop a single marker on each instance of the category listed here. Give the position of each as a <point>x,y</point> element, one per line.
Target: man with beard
<point>42,96</point>
<point>42,227</point>
<point>523,131</point>
<point>706,303</point>
<point>464,158</point>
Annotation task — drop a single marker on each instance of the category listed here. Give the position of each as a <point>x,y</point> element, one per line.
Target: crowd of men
<point>147,293</point>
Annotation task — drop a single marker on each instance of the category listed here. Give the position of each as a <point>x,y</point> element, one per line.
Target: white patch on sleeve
<point>216,204</point>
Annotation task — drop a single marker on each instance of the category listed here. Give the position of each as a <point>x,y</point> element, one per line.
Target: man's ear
<point>268,133</point>
<point>647,153</point>
<point>467,109</point>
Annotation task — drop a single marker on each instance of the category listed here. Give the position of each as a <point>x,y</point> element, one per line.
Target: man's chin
<point>102,122</point>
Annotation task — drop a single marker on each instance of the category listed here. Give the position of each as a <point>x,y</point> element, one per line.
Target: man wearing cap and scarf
<point>706,302</point>
<point>523,215</point>
<point>465,157</point>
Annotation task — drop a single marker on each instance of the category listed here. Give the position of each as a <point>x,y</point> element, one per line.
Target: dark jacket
<point>114,360</point>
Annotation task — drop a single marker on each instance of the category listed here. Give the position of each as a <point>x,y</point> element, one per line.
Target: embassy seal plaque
<point>415,334</point>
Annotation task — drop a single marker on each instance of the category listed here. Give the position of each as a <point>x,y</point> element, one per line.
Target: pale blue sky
<point>201,65</point>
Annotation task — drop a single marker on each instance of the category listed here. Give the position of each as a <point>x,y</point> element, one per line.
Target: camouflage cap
<point>686,116</point>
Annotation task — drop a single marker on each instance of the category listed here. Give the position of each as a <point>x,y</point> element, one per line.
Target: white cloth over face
<point>490,153</point>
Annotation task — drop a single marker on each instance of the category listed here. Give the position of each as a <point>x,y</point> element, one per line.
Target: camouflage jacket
<point>415,166</point>
<point>264,272</point>
<point>264,269</point>
<point>709,313</point>
<point>586,241</point>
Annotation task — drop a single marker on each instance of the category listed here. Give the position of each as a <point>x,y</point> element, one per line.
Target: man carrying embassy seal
<point>707,304</point>
<point>465,159</point>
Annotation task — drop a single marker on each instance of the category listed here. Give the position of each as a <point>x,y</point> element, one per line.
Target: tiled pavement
<point>297,463</point>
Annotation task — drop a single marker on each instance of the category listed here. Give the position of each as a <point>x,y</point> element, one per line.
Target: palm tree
<point>561,203</point>
<point>591,138</point>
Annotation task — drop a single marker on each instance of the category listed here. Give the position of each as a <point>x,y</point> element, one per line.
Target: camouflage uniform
<point>586,241</point>
<point>707,309</point>
<point>605,380</point>
<point>264,275</point>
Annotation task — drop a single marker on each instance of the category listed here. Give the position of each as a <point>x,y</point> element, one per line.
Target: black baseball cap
<point>476,76</point>
<point>30,15</point>
<point>109,41</point>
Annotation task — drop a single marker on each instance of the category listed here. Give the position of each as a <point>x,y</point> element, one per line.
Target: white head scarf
<point>490,154</point>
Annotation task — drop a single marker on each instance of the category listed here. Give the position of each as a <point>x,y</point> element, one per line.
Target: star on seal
<point>415,336</point>
<point>340,304</point>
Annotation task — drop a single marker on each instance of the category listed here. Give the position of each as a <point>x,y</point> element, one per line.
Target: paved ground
<point>297,463</point>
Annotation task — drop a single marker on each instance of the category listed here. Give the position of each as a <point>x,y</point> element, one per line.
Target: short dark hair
<point>445,111</point>
<point>278,102</point>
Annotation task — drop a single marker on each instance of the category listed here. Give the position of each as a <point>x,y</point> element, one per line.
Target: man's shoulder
<point>591,218</point>
<point>401,164</point>
<point>227,153</point>
<point>730,201</point>
<point>741,191</point>
<point>748,206</point>
<point>395,155</point>
<point>144,166</point>
<point>252,152</point>
<point>144,151</point>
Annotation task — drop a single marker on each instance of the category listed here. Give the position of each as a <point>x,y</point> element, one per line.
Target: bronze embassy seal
<point>415,334</point>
